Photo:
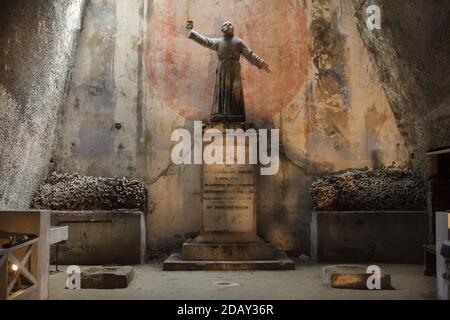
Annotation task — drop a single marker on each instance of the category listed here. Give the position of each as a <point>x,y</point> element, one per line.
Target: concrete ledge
<point>101,237</point>
<point>369,236</point>
<point>176,263</point>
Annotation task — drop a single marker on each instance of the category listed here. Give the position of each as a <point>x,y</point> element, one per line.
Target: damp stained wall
<point>136,78</point>
<point>38,40</point>
<point>411,53</point>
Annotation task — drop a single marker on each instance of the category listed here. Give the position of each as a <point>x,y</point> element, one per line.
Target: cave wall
<point>38,40</point>
<point>136,78</point>
<point>411,53</point>
<point>342,95</point>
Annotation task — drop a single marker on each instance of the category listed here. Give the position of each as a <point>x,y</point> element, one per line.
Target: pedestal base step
<point>281,262</point>
<point>228,251</point>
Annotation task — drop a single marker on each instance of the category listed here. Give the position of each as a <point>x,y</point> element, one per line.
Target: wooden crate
<point>27,222</point>
<point>21,256</point>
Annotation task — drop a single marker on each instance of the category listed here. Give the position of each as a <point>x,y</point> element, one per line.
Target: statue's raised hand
<point>189,27</point>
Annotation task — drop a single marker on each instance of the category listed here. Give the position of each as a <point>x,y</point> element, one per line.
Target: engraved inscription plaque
<point>229,197</point>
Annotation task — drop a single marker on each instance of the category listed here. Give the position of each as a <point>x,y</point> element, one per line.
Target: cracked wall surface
<point>38,43</point>
<point>136,78</point>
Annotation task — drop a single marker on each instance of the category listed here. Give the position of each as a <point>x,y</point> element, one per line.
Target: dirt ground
<point>305,283</point>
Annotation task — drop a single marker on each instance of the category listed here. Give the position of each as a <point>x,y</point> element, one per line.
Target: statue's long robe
<point>228,102</point>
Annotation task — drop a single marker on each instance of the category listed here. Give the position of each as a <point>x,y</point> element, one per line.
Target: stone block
<point>106,277</point>
<point>357,281</point>
<point>352,277</point>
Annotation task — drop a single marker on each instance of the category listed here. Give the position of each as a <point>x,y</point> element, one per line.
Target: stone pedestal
<point>228,237</point>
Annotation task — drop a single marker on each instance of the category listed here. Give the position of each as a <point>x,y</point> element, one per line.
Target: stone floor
<point>304,283</point>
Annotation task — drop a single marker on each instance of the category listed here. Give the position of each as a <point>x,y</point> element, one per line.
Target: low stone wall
<point>368,236</point>
<point>101,237</point>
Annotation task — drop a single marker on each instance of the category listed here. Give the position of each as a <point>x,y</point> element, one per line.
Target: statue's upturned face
<point>228,29</point>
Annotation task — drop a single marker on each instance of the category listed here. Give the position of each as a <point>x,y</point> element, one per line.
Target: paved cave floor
<point>151,283</point>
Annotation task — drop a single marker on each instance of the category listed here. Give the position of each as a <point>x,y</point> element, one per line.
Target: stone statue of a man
<point>228,103</point>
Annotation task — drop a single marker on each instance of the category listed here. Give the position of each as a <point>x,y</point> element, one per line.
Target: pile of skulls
<point>389,188</point>
<point>74,192</point>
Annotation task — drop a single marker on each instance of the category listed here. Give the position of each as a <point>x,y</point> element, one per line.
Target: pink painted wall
<point>183,72</point>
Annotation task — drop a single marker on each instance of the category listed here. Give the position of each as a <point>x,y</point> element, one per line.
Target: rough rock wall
<point>411,52</point>
<point>137,78</point>
<point>37,46</point>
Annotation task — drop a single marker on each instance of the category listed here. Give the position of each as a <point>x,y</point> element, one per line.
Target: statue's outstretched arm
<point>253,58</point>
<point>209,43</point>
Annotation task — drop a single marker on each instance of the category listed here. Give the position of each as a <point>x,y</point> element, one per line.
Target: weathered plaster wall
<point>136,78</point>
<point>37,45</point>
<point>339,119</point>
<point>411,52</point>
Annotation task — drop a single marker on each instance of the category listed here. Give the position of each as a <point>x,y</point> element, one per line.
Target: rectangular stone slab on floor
<point>357,281</point>
<point>106,277</point>
<point>351,277</point>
